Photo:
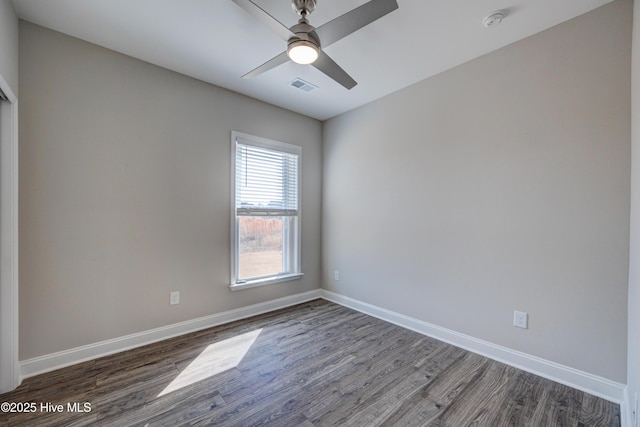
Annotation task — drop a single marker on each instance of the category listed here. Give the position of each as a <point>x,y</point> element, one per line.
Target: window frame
<point>291,236</point>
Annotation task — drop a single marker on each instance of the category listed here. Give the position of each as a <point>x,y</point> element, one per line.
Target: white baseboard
<point>50,362</point>
<point>589,383</point>
<point>580,380</point>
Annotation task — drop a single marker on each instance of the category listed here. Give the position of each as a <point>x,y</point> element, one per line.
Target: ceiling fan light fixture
<point>302,52</point>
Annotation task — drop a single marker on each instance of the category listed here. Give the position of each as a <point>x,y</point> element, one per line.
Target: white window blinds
<point>266,181</point>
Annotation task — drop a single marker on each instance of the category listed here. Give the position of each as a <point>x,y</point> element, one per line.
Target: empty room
<point>319,213</point>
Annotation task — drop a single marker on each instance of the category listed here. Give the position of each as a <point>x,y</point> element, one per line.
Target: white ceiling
<point>217,42</point>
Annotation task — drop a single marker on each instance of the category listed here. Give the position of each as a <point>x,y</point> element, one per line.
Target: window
<point>265,211</point>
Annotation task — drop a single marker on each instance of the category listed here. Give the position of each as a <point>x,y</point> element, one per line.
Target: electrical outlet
<point>520,319</point>
<point>336,275</point>
<point>174,298</point>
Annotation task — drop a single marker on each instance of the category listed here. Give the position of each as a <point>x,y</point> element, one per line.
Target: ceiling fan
<point>305,42</point>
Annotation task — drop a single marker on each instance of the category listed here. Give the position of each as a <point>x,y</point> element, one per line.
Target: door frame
<point>9,358</point>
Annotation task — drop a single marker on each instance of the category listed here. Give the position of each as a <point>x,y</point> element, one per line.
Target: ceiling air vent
<point>303,85</point>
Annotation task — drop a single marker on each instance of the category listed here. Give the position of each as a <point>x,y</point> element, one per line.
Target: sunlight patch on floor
<point>214,359</point>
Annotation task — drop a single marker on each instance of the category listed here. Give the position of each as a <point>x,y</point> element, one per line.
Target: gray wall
<point>633,358</point>
<point>125,193</point>
<point>9,45</point>
<point>500,185</point>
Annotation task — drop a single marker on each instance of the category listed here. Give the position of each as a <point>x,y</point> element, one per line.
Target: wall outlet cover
<point>520,319</point>
<point>174,298</point>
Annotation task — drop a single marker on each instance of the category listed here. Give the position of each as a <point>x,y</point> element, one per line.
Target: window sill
<point>266,281</point>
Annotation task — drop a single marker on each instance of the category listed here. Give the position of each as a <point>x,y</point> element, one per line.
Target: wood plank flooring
<point>315,364</point>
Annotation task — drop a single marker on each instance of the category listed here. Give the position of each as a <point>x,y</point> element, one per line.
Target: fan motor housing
<point>304,31</point>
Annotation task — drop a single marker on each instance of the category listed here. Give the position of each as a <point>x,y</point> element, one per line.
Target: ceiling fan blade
<point>328,66</point>
<point>270,64</point>
<point>353,20</point>
<point>261,15</point>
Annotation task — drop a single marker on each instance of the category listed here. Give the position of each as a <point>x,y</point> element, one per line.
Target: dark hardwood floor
<point>315,364</point>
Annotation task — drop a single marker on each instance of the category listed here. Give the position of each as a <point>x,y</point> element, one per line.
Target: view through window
<point>261,246</point>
